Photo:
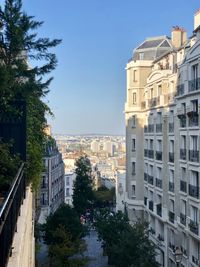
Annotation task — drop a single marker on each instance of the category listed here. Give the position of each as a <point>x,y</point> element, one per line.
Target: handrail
<point>12,189</point>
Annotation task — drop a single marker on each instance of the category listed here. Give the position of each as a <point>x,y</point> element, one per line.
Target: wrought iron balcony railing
<point>151,154</point>
<point>193,191</point>
<point>194,155</point>
<point>194,85</point>
<point>9,213</point>
<point>183,186</point>
<point>194,227</point>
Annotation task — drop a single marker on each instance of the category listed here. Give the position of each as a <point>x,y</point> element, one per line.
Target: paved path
<point>94,251</point>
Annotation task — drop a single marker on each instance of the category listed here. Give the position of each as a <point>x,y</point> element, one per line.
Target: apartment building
<point>162,135</point>
<point>52,183</point>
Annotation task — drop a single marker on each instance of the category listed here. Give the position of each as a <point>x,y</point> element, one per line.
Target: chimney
<point>197,19</point>
<point>179,36</point>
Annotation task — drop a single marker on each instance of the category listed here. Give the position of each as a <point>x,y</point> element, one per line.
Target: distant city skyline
<point>89,87</point>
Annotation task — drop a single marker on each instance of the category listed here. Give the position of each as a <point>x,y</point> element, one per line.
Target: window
<point>159,145</point>
<point>133,190</point>
<point>183,108</point>
<point>159,173</point>
<point>183,174</point>
<point>171,116</point>
<point>133,168</point>
<point>159,117</point>
<point>141,56</point>
<point>159,90</point>
<point>67,192</point>
<point>133,121</point>
<point>194,214</point>
<point>194,105</point>
<point>67,180</point>
<point>195,71</point>
<point>134,75</point>
<point>194,178</point>
<point>183,206</point>
<point>183,142</point>
<point>134,98</point>
<point>133,144</point>
<point>171,146</point>
<point>151,144</point>
<point>194,142</point>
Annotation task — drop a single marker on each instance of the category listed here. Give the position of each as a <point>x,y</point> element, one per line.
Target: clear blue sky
<point>89,88</point>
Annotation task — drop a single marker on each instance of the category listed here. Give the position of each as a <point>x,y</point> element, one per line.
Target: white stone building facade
<point>162,142</point>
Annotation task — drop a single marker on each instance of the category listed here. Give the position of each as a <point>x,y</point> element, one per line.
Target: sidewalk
<point>94,251</point>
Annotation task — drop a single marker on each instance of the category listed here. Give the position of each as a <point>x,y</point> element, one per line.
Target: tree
<point>104,196</point>
<point>19,44</point>
<point>63,234</point>
<point>124,244</point>
<point>82,194</point>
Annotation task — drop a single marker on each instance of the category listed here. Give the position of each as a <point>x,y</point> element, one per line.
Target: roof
<point>152,48</point>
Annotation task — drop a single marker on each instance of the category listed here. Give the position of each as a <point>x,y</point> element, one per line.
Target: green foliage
<point>19,44</point>
<point>83,194</point>
<point>9,165</point>
<point>63,233</point>
<point>124,244</point>
<point>103,196</point>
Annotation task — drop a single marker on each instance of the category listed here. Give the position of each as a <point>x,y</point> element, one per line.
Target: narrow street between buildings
<point>94,251</point>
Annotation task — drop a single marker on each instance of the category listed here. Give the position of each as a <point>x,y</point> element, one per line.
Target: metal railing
<point>194,155</point>
<point>194,85</point>
<point>194,227</point>
<point>151,154</point>
<point>193,191</point>
<point>150,179</point>
<point>9,214</point>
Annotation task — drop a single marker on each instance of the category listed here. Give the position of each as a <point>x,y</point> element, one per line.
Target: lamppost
<point>178,256</point>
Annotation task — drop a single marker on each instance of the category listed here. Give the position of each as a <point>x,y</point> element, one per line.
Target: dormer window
<point>141,56</point>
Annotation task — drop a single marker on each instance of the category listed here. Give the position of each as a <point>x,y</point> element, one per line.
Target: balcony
<point>159,155</point>
<point>151,154</point>
<point>180,90</point>
<point>151,205</point>
<point>183,186</point>
<point>194,155</point>
<point>159,127</point>
<point>171,186</point>
<point>194,227</point>
<point>9,213</point>
<point>193,118</point>
<point>183,153</point>
<point>159,183</point>
<point>171,127</point>
<point>145,201</point>
<point>171,157</point>
<point>150,179</point>
<point>182,218</point>
<point>159,209</point>
<point>145,176</point>
<point>171,216</point>
<point>151,128</point>
<point>193,191</point>
<point>194,85</point>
